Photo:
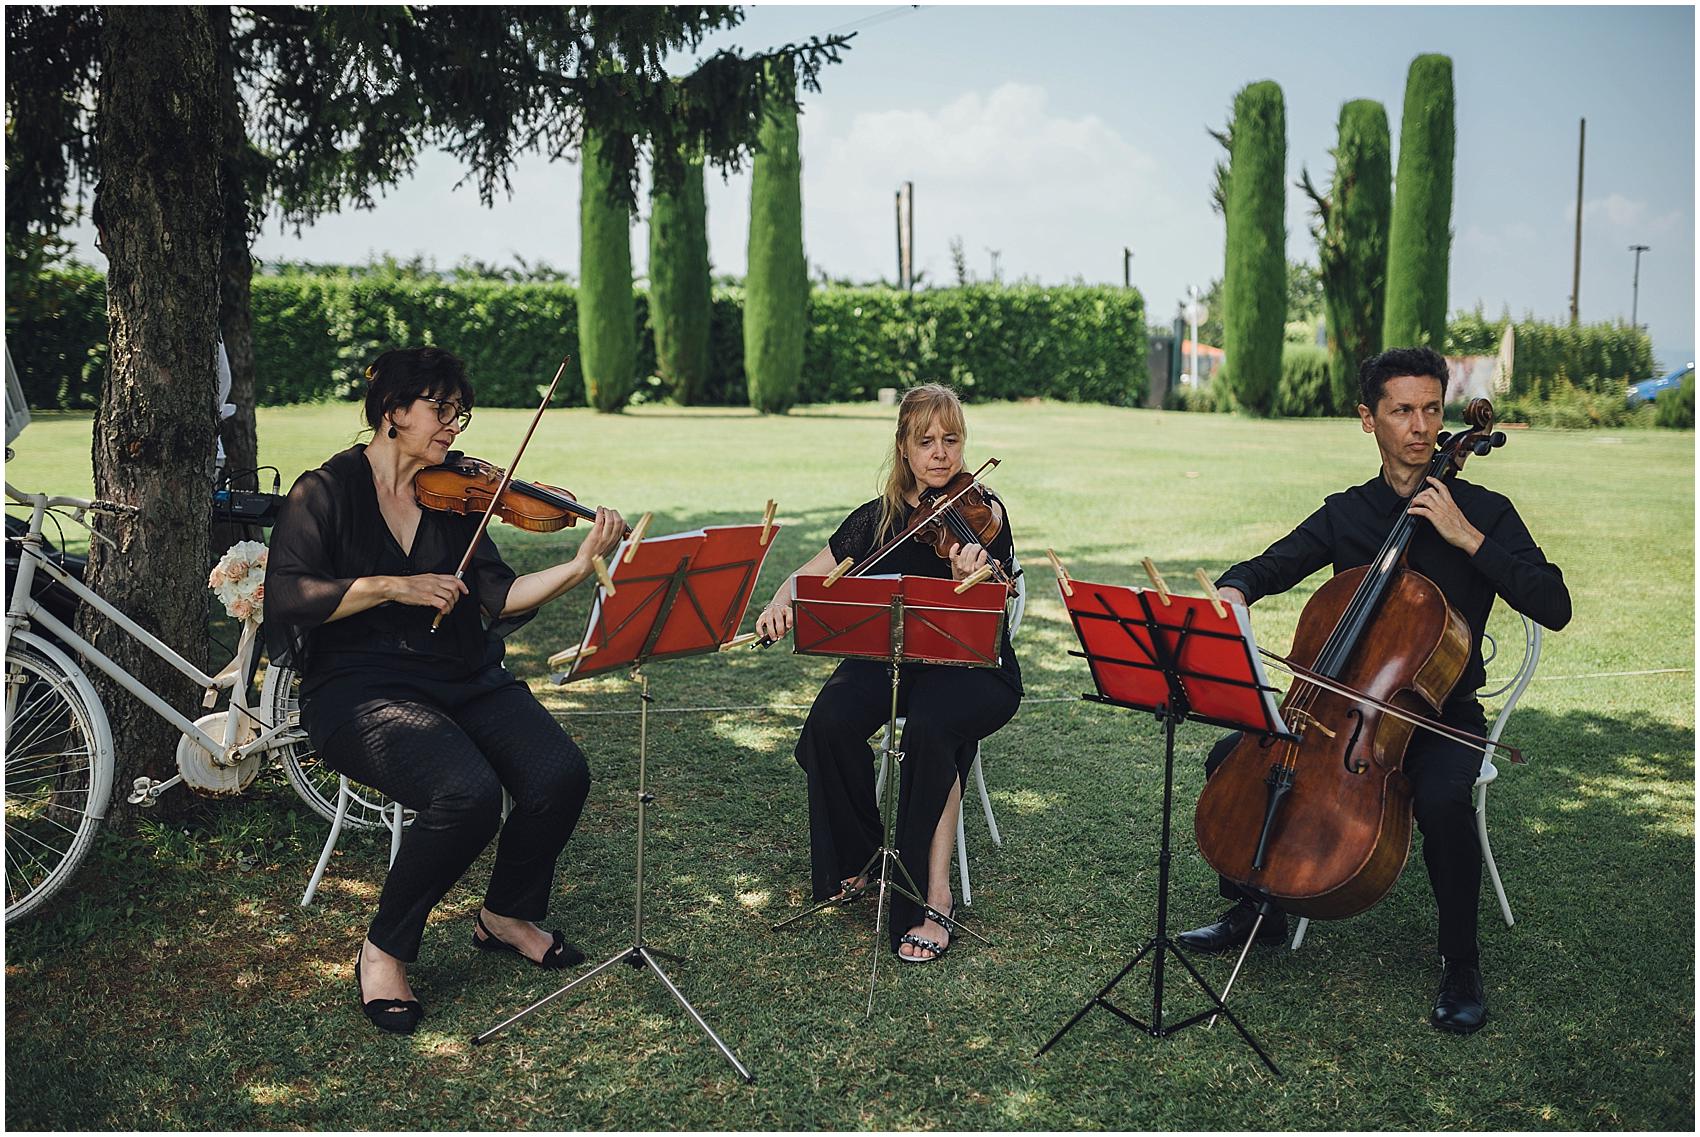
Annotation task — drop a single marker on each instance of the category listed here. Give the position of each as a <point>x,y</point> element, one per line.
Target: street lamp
<point>1635,300</point>
<point>1196,313</point>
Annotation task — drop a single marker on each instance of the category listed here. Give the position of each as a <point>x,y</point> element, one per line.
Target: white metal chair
<point>1017,607</point>
<point>395,818</point>
<point>1512,689</point>
<point>346,792</point>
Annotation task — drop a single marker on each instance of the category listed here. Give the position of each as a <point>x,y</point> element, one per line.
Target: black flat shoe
<point>560,955</point>
<point>393,1016</point>
<point>1229,932</point>
<point>1459,1006</point>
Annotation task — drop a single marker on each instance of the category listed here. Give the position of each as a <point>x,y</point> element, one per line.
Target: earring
<point>392,430</point>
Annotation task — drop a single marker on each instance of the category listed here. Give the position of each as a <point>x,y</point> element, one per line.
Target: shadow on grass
<point>175,989</point>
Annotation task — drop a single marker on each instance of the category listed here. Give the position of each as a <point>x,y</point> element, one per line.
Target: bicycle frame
<point>23,610</point>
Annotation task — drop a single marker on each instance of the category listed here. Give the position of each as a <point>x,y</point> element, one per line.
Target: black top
<point>855,539</point>
<point>1349,529</point>
<point>330,532</point>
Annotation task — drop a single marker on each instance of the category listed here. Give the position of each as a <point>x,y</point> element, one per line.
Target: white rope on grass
<point>780,707</point>
<point>1615,674</point>
<point>755,707</point>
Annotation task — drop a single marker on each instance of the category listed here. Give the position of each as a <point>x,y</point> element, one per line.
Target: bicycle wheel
<point>315,782</point>
<point>58,775</point>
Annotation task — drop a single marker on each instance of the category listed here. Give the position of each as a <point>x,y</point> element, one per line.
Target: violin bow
<point>507,476</point>
<point>1474,742</point>
<point>880,554</point>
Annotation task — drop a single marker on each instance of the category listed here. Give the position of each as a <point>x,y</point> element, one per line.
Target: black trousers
<point>948,711</point>
<point>1443,774</point>
<point>446,750</point>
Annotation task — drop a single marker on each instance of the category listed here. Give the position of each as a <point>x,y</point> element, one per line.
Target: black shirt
<point>329,533</point>
<point>1349,529</point>
<point>857,537</point>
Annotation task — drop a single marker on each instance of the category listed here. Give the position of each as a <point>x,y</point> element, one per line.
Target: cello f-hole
<point>1358,766</point>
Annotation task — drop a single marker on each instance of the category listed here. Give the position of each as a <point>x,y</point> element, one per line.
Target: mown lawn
<point>178,985</point>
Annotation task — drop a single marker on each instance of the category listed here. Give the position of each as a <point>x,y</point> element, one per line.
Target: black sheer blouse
<point>329,533</point>
<point>856,538</point>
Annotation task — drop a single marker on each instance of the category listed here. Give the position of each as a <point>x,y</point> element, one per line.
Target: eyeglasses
<point>449,411</point>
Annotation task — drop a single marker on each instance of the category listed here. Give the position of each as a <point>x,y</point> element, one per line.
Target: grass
<point>178,985</point>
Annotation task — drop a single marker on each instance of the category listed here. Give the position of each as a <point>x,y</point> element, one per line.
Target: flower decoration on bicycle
<point>239,580</point>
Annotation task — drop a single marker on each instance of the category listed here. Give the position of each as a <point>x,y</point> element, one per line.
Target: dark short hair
<point>1374,372</point>
<point>401,375</point>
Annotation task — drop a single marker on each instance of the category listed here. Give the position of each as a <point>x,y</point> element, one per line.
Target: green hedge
<point>1676,408</point>
<point>1594,357</point>
<point>989,342</point>
<point>1306,387</point>
<point>314,333</point>
<point>56,334</point>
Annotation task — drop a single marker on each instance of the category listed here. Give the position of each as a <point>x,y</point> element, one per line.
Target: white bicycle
<point>60,758</point>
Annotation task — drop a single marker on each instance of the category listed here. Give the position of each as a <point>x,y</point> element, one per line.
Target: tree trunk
<point>153,436</point>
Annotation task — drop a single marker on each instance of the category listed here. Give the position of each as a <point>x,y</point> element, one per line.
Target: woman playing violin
<point>949,709</point>
<point>429,718</point>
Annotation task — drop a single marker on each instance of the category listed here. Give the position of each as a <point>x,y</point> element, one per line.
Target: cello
<point>1320,822</point>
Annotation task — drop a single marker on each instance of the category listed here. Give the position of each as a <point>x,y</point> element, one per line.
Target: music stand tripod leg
<point>1263,910</point>
<point>639,954</point>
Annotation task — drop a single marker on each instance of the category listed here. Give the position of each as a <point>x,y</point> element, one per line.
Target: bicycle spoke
<point>13,851</point>
<point>57,763</point>
<point>45,819</point>
<point>41,722</point>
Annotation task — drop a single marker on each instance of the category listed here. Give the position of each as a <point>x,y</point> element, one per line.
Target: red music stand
<point>674,596</point>
<point>897,619</point>
<point>1179,658</point>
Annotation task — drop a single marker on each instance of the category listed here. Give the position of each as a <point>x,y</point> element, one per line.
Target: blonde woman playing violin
<point>948,709</point>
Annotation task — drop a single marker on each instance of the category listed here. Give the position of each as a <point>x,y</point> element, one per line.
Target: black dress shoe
<point>1459,1006</point>
<point>393,1016</point>
<point>1232,929</point>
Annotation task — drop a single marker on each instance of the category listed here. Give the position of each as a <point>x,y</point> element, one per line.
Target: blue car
<point>1646,390</point>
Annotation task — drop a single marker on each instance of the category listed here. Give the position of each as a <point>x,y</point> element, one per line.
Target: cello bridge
<point>1305,720</point>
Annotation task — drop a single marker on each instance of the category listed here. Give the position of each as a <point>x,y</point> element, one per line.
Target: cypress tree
<point>1254,286</point>
<point>679,302</point>
<point>776,290</point>
<point>1420,239</point>
<point>1351,241</point>
<point>607,318</point>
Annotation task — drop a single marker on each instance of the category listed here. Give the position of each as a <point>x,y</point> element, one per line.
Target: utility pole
<point>996,253</point>
<point>1635,301</point>
<point>906,237</point>
<point>1576,274</point>
<point>1127,267</point>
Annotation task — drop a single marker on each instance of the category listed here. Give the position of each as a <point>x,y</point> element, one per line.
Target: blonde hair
<point>921,406</point>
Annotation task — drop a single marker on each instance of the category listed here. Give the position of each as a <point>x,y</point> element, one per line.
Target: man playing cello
<point>1475,547</point>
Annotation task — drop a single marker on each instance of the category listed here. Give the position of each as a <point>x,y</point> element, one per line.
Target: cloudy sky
<point>1058,135</point>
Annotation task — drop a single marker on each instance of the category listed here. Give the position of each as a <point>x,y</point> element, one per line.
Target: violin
<point>956,513</point>
<point>464,484</point>
<point>1320,821</point>
<point>970,521</point>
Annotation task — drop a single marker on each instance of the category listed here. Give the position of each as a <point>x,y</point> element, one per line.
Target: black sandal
<point>560,955</point>
<point>394,1016</point>
<point>924,944</point>
<point>941,918</point>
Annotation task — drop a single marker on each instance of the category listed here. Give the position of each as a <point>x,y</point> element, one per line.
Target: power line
<point>877,18</point>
